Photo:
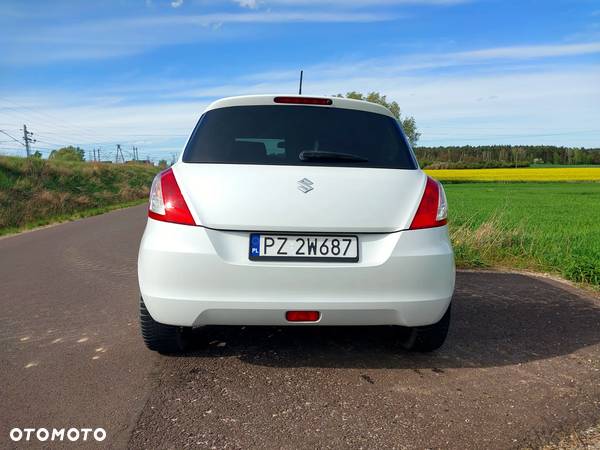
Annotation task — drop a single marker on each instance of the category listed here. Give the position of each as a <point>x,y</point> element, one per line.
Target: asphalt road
<point>522,362</point>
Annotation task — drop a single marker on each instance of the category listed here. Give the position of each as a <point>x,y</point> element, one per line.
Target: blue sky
<point>140,72</point>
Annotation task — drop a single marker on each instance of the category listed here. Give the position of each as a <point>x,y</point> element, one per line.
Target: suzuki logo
<point>305,185</point>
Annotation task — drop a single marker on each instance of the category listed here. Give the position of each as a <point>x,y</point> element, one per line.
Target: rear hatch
<point>272,198</point>
<point>300,168</point>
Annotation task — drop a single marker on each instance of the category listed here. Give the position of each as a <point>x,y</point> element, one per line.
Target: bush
<point>69,153</point>
<point>35,191</point>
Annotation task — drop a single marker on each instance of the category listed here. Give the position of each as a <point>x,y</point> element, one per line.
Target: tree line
<point>504,155</point>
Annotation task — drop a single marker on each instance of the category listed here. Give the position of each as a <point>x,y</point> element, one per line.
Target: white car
<point>295,210</point>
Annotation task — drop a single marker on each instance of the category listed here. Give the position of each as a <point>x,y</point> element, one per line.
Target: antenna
<point>300,89</point>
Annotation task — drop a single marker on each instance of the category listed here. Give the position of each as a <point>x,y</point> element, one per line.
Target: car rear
<point>296,211</point>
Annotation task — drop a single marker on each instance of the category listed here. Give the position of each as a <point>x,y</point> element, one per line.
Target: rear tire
<point>161,338</point>
<point>427,338</point>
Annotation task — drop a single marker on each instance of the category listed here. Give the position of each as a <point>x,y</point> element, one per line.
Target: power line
<point>51,143</point>
<point>13,138</point>
<point>68,131</point>
<point>95,137</point>
<point>56,120</point>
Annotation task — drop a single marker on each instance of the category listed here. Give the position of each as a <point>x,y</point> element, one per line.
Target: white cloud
<point>130,35</point>
<point>121,37</point>
<point>532,51</point>
<point>250,4</point>
<point>400,65</point>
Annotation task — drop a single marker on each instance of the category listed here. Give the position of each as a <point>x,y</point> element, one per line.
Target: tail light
<point>166,202</point>
<point>433,209</point>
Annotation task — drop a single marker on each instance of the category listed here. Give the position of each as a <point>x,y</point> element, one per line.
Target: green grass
<point>60,218</point>
<point>553,227</point>
<point>35,192</point>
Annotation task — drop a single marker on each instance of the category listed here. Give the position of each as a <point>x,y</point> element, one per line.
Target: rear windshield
<point>298,135</point>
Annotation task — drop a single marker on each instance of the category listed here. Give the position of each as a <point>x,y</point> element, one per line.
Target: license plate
<point>287,247</point>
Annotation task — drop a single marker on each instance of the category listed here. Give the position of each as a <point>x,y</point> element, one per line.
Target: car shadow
<point>497,319</point>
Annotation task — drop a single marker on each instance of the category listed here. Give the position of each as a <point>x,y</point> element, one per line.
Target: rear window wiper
<point>318,155</point>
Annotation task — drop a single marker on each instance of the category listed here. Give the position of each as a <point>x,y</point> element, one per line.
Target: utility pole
<point>27,138</point>
<point>119,152</point>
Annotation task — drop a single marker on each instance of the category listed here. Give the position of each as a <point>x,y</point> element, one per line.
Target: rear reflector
<point>304,100</point>
<point>302,316</point>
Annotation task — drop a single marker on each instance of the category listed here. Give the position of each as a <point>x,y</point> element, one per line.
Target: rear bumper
<point>194,276</point>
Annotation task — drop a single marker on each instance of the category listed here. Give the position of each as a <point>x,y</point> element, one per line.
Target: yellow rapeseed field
<point>522,174</point>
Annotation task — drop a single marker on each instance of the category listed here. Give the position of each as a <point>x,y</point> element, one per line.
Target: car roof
<point>267,99</point>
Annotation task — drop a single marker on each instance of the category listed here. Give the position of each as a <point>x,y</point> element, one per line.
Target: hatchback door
<point>277,198</point>
<point>300,168</point>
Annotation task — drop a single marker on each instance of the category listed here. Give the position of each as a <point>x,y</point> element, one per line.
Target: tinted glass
<point>278,134</point>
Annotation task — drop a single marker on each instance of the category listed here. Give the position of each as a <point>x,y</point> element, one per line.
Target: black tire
<point>427,338</point>
<point>161,338</point>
